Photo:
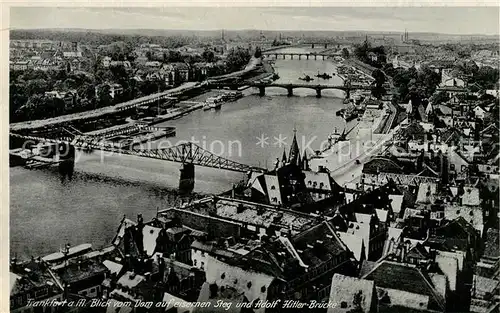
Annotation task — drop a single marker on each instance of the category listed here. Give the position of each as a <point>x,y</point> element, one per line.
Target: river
<point>46,213</point>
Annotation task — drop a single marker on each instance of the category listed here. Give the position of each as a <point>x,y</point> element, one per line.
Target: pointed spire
<point>299,161</point>
<point>283,158</point>
<point>305,161</point>
<point>293,155</point>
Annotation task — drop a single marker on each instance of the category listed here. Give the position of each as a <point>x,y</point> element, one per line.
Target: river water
<point>46,213</point>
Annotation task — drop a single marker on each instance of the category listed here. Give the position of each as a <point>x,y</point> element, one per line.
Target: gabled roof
<point>381,165</point>
<point>318,244</point>
<point>407,278</point>
<point>454,235</point>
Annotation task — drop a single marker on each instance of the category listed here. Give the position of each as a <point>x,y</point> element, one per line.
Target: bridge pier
<point>284,55</point>
<point>307,56</point>
<point>312,46</point>
<point>315,57</point>
<point>326,46</point>
<point>262,91</point>
<point>186,180</point>
<point>299,56</point>
<point>318,93</point>
<point>290,91</point>
<point>276,56</point>
<point>66,155</point>
<point>323,58</point>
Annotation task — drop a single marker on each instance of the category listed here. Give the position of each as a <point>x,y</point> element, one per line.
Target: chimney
<point>161,267</point>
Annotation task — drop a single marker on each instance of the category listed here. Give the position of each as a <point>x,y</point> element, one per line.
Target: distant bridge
<point>290,87</point>
<point>300,55</point>
<point>185,153</point>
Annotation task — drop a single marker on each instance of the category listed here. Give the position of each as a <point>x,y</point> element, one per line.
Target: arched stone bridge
<point>299,55</point>
<point>290,87</point>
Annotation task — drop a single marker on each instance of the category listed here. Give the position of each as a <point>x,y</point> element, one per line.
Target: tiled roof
<point>318,244</point>
<point>345,289</point>
<point>253,213</point>
<point>406,278</point>
<point>381,165</point>
<point>78,272</point>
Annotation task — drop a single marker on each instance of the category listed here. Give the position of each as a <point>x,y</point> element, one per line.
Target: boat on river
<point>213,103</point>
<point>324,76</point>
<point>306,78</point>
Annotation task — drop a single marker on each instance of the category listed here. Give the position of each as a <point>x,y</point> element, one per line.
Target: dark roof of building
<point>414,130</point>
<point>457,234</point>
<point>318,244</point>
<point>491,248</point>
<point>418,252</point>
<point>78,272</point>
<point>367,202</point>
<point>406,278</point>
<point>30,275</point>
<point>381,165</point>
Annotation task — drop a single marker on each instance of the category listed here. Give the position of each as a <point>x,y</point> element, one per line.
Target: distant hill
<point>237,35</point>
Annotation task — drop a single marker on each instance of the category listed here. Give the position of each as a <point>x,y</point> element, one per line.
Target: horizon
<point>481,21</point>
<point>250,29</point>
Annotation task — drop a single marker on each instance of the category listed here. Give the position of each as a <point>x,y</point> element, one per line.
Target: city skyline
<point>441,20</point>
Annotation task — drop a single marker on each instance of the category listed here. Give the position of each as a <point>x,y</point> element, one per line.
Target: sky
<point>448,20</point>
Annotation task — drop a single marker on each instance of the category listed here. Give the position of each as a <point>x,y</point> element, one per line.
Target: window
<point>195,262</point>
<point>202,265</point>
<point>263,289</point>
<point>343,305</point>
<point>92,290</point>
<point>273,188</point>
<point>223,276</point>
<point>249,285</point>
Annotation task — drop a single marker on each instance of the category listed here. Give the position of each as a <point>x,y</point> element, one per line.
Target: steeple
<point>305,162</point>
<point>283,158</point>
<point>293,155</point>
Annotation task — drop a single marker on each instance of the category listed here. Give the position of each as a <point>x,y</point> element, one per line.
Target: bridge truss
<point>183,153</point>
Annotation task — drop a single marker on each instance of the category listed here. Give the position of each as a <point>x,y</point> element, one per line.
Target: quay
<point>99,113</point>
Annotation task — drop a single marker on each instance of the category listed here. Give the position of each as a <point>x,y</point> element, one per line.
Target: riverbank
<point>106,186</point>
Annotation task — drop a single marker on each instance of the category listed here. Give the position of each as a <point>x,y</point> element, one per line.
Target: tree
<point>345,53</point>
<point>487,77</point>
<point>379,77</point>
<point>208,56</point>
<point>104,95</point>
<point>237,58</point>
<point>439,97</point>
<point>258,52</point>
<point>36,86</point>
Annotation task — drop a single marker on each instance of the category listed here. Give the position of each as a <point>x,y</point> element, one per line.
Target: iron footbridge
<point>184,153</point>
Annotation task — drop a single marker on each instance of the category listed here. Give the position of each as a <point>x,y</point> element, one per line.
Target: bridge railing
<point>182,153</point>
